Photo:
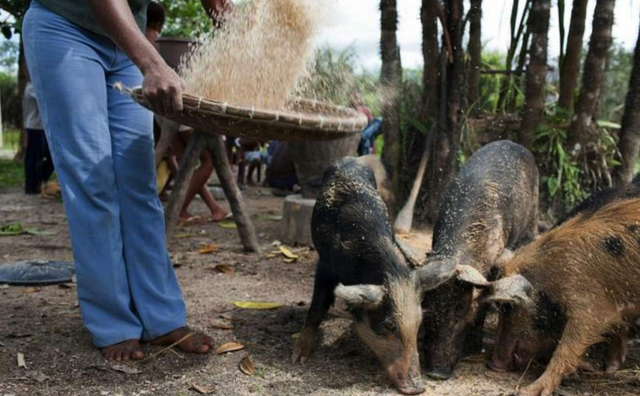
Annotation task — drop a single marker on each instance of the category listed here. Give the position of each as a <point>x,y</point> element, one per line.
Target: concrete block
<point>296,220</point>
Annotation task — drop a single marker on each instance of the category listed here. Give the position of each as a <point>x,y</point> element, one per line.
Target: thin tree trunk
<point>630,133</point>
<point>391,77</point>
<point>570,68</point>
<point>430,53</point>
<point>533,111</point>
<point>593,75</point>
<point>442,161</point>
<point>475,51</point>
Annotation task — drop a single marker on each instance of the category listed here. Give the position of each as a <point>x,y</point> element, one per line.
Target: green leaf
<point>35,231</point>
<point>11,229</point>
<point>609,124</point>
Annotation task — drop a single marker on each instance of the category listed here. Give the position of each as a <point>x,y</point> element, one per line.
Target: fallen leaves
<point>246,366</point>
<point>256,305</point>
<point>203,390</point>
<point>229,347</point>
<point>222,326</point>
<point>21,362</point>
<point>37,376</point>
<point>224,269</point>
<point>287,253</point>
<point>228,224</point>
<point>124,368</point>
<point>208,249</point>
<point>16,228</point>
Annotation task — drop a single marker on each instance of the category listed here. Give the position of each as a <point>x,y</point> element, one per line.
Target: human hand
<point>162,88</point>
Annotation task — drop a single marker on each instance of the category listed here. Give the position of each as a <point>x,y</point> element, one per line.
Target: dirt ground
<point>44,324</point>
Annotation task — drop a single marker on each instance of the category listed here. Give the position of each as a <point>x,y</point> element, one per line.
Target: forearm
<point>116,19</point>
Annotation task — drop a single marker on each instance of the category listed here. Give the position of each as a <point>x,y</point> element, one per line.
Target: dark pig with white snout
<point>489,207</point>
<point>575,286</point>
<point>360,263</point>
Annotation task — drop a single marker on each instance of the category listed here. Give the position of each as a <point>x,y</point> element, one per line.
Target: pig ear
<point>368,295</point>
<point>470,275</point>
<point>515,289</point>
<point>435,273</point>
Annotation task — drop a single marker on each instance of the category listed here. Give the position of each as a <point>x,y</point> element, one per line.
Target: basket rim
<point>352,121</point>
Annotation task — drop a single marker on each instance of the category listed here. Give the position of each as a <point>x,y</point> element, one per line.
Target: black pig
<point>490,206</point>
<point>360,262</point>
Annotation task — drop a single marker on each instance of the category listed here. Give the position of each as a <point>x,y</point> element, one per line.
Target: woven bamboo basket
<point>304,120</point>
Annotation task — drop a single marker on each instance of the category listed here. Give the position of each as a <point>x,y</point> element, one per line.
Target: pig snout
<point>509,357</point>
<point>405,374</point>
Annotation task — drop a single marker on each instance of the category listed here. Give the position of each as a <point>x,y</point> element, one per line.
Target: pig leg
<point>578,335</point>
<point>617,353</point>
<point>321,301</point>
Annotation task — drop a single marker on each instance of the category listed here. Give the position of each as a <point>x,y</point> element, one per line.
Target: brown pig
<point>573,287</point>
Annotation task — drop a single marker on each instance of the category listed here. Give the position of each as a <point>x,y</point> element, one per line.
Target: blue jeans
<point>102,147</point>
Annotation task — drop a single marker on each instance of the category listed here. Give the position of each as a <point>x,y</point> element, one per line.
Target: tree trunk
<point>442,161</point>
<point>630,132</point>
<point>533,110</point>
<point>430,53</point>
<point>391,77</point>
<point>475,51</point>
<point>592,76</point>
<point>570,68</point>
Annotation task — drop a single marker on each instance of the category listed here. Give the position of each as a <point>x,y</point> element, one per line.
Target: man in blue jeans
<point>102,147</point>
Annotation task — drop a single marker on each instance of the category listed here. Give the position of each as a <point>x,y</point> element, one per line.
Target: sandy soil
<point>44,324</point>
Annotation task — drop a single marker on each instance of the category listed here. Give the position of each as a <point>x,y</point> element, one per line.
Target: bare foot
<point>220,216</point>
<point>126,350</point>
<point>196,343</point>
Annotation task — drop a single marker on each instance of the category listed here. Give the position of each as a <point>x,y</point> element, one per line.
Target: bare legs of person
<point>198,184</point>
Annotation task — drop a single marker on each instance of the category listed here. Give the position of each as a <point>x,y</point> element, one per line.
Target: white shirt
<point>30,111</point>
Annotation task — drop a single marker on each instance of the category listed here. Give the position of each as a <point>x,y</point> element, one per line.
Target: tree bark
<point>430,53</point>
<point>630,133</point>
<point>570,68</point>
<point>592,76</point>
<point>391,78</point>
<point>443,157</point>
<point>475,51</point>
<point>533,111</point>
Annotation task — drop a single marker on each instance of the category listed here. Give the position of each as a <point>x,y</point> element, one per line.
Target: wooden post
<point>188,165</point>
<point>236,202</point>
<point>169,131</point>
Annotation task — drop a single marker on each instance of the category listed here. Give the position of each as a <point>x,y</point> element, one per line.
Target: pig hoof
<point>440,375</point>
<point>302,350</point>
<point>412,390</point>
<point>535,389</point>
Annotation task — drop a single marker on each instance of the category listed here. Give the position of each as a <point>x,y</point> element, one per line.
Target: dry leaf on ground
<point>288,253</point>
<point>38,376</point>
<point>229,347</point>
<point>246,366</point>
<point>257,305</point>
<point>203,390</point>
<point>222,326</point>
<point>21,362</point>
<point>224,269</point>
<point>208,249</point>
<point>124,368</point>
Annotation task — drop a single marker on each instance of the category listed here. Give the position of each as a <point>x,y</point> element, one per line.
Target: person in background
<point>281,172</point>
<point>38,166</point>
<point>102,146</point>
<point>198,185</point>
